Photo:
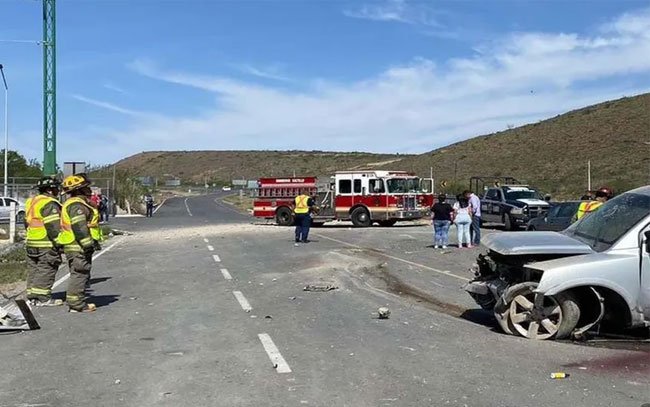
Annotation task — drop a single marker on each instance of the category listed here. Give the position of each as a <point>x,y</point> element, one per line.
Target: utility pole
<point>49,87</point>
<point>589,175</point>
<point>4,81</point>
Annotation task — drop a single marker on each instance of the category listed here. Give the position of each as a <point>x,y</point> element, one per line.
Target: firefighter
<point>602,196</point>
<point>42,222</point>
<point>302,219</point>
<point>80,236</point>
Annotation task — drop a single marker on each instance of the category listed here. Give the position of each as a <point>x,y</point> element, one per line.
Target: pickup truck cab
<point>5,207</point>
<point>512,206</point>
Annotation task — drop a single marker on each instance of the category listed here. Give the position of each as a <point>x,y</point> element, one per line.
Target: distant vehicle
<point>5,207</point>
<point>558,218</point>
<point>512,205</point>
<point>226,188</point>
<point>363,197</point>
<point>546,285</point>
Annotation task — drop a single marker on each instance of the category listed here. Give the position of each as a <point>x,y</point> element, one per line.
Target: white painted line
<point>216,258</point>
<point>447,273</point>
<point>65,277</point>
<point>226,274</point>
<point>159,206</point>
<point>278,361</point>
<point>206,240</point>
<point>188,207</point>
<point>211,248</point>
<point>242,301</point>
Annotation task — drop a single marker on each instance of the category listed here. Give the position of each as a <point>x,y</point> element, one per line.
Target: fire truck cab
<point>363,197</point>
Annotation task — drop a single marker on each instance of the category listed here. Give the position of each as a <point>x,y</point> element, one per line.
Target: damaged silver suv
<point>596,273</point>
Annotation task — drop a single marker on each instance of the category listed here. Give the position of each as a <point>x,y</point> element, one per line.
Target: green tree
<point>19,166</point>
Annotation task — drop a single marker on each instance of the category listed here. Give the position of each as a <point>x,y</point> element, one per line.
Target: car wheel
<point>510,225</point>
<point>360,217</point>
<point>20,217</point>
<point>557,318</point>
<point>284,216</point>
<point>531,228</point>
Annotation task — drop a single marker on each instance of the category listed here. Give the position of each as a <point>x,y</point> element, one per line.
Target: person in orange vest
<point>586,207</point>
<point>302,219</point>
<point>42,222</point>
<point>80,236</point>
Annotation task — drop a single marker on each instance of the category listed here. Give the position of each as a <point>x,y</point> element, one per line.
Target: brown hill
<point>222,166</point>
<point>553,153</point>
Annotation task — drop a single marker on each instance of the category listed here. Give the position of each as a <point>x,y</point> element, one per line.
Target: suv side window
<point>492,195</point>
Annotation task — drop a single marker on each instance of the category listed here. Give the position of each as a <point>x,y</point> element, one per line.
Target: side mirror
<point>647,241</point>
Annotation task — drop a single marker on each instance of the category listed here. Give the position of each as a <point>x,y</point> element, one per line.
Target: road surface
<point>203,306</point>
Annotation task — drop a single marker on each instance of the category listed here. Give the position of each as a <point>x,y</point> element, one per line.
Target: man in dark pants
<point>475,230</point>
<point>302,219</point>
<point>148,199</point>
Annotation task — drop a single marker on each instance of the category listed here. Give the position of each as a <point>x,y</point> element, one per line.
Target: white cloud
<point>115,88</point>
<point>399,11</point>
<point>110,106</point>
<point>270,72</point>
<point>411,107</point>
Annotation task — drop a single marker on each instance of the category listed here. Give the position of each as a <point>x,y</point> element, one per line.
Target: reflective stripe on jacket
<point>36,231</point>
<point>67,236</point>
<point>587,207</point>
<point>302,204</point>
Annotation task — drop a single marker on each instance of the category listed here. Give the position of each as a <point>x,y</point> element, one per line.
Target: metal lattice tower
<point>49,87</point>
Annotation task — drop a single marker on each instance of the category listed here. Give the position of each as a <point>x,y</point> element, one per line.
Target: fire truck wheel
<point>387,223</point>
<point>284,217</point>
<point>361,218</point>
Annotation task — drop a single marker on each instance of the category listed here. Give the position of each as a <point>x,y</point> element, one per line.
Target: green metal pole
<point>49,87</point>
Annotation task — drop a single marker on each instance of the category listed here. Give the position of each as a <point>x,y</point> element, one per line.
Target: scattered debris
<point>275,279</point>
<point>292,298</point>
<point>559,375</point>
<point>118,381</point>
<point>268,317</point>
<point>275,366</point>
<point>383,313</point>
<point>321,288</point>
<point>175,353</point>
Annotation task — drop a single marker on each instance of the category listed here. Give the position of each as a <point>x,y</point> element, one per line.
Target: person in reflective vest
<point>80,236</point>
<point>42,219</point>
<point>302,218</point>
<point>586,207</point>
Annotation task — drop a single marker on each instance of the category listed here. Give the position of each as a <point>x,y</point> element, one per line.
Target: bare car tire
<point>361,218</point>
<point>507,221</point>
<point>284,216</point>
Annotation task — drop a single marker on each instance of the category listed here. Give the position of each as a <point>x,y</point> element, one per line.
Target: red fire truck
<point>363,197</point>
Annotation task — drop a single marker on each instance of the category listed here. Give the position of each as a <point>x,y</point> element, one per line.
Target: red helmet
<point>604,192</point>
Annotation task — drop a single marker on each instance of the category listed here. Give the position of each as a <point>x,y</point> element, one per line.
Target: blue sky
<point>384,76</point>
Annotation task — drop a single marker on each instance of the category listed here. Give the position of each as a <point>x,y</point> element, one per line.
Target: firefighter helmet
<point>75,182</point>
<point>48,183</point>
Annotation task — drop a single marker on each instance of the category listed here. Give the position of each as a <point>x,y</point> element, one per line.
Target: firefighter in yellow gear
<point>586,207</point>
<point>303,206</point>
<point>42,223</point>
<point>80,236</point>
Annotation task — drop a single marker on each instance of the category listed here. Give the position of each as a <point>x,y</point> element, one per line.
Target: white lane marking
<point>211,248</point>
<point>278,361</point>
<point>447,273</point>
<point>226,274</point>
<point>159,206</point>
<point>245,305</point>
<point>188,207</point>
<point>216,258</point>
<point>206,240</point>
<point>65,277</point>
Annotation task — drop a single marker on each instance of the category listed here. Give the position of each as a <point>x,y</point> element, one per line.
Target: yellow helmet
<point>74,182</point>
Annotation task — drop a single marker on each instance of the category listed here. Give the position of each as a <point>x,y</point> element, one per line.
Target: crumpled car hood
<point>520,243</point>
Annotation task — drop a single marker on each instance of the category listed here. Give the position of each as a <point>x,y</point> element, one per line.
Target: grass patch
<point>13,266</point>
<point>243,204</point>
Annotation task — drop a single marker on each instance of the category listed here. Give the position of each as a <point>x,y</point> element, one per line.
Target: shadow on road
<point>98,280</point>
<point>103,300</point>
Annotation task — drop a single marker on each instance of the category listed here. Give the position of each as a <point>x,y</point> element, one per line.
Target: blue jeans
<point>476,230</point>
<point>303,223</point>
<point>441,236</point>
<point>463,223</point>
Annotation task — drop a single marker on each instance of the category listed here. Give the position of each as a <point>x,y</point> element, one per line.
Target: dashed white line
<point>278,361</point>
<point>188,207</point>
<point>226,274</point>
<point>206,240</point>
<point>245,305</point>
<point>67,276</point>
<point>216,258</point>
<point>211,248</point>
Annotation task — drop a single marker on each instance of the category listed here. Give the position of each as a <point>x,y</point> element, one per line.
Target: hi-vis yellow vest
<point>66,237</point>
<point>301,205</point>
<point>36,232</point>
<point>587,207</point>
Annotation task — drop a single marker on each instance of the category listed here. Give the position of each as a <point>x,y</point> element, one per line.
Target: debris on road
<point>383,313</point>
<point>320,288</point>
<point>559,375</point>
<point>268,317</point>
<point>17,316</point>
<point>118,381</point>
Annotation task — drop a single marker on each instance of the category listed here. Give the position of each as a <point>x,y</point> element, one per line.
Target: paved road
<point>204,307</point>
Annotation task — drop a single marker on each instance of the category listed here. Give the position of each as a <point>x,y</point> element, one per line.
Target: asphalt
<point>169,331</point>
